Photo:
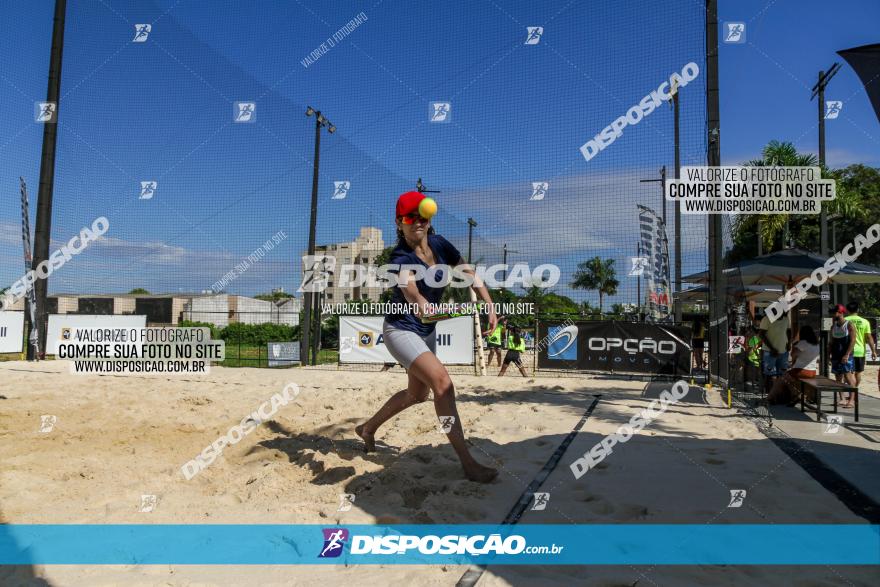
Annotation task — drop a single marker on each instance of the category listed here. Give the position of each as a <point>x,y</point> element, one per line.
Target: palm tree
<point>784,154</point>
<point>535,295</point>
<point>598,275</point>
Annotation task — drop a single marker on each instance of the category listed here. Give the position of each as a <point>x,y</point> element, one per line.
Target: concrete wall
<point>66,305</point>
<point>252,311</point>
<point>123,305</point>
<point>288,312</point>
<point>212,309</point>
<point>177,306</point>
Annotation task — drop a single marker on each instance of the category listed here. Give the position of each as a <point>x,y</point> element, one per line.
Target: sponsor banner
<point>655,246</point>
<point>31,300</point>
<point>282,354</point>
<point>11,332</point>
<point>616,347</point>
<point>361,340</point>
<point>524,544</point>
<point>736,344</point>
<point>63,326</point>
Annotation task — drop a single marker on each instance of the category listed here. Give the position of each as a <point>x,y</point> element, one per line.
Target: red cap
<point>838,308</point>
<point>408,203</point>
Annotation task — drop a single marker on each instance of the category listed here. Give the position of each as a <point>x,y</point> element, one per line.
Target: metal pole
<point>310,296</point>
<point>835,289</point>
<point>675,108</point>
<point>717,314</point>
<point>639,284</point>
<point>663,192</point>
<point>823,218</point>
<point>503,262</point>
<point>760,241</point>
<point>43,228</point>
<point>471,224</point>
<point>823,226</point>
<point>316,329</point>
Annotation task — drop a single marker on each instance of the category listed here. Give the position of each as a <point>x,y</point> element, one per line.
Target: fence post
<point>535,346</point>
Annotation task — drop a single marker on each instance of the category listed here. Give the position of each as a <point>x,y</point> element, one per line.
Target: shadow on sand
<point>664,475</point>
<point>13,575</point>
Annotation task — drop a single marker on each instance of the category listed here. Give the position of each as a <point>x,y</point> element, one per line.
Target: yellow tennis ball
<point>427,208</point>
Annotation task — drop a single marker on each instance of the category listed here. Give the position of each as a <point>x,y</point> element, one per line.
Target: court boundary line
<point>472,575</point>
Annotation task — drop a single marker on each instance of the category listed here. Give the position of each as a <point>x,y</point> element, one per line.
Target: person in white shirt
<point>805,364</point>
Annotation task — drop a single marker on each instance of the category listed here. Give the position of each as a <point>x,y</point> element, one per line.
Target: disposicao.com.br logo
<point>335,540</point>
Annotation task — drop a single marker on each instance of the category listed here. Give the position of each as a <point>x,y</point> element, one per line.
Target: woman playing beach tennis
<point>411,341</point>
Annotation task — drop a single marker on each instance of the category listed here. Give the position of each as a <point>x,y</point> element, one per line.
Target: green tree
<point>274,296</point>
<point>587,308</point>
<point>865,182</point>
<point>549,304</point>
<point>597,275</point>
<point>139,291</point>
<point>804,229</point>
<point>857,203</point>
<point>384,258</point>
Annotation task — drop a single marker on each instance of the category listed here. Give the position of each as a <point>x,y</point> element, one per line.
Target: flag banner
<point>655,246</point>
<point>865,61</point>
<point>31,299</point>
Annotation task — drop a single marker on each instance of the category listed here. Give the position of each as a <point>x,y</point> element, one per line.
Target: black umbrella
<point>789,265</point>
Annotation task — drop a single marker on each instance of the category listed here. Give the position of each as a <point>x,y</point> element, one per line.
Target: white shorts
<point>405,346</point>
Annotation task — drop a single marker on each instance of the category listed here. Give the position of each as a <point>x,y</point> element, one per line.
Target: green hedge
<point>259,333</point>
<point>215,332</point>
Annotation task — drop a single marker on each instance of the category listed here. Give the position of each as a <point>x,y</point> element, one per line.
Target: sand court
<point>117,439</point>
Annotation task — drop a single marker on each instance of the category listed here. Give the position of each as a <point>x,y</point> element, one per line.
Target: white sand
<point>118,437</point>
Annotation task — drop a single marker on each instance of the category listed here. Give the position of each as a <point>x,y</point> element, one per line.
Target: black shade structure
<point>865,61</point>
<point>791,264</point>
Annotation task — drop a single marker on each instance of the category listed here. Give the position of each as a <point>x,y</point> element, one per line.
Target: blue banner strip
<point>525,544</point>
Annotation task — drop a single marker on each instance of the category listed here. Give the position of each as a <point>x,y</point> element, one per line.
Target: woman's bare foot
<point>369,441</point>
<point>480,473</point>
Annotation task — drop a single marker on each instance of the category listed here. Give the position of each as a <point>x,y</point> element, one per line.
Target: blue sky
<point>163,110</point>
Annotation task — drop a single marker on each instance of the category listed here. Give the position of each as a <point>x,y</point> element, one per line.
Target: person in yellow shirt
<point>495,338</point>
<point>864,339</point>
<point>753,356</point>
<point>516,345</point>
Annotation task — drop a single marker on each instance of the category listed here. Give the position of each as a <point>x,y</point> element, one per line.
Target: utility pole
<point>662,181</point>
<point>760,243</point>
<point>479,364</point>
<point>310,297</point>
<point>43,228</point>
<point>639,283</point>
<point>420,187</point>
<point>832,220</point>
<point>504,260</point>
<point>819,92</point>
<point>471,224</point>
<point>676,120</point>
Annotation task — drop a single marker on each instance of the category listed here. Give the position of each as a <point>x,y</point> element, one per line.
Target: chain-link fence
<point>539,132</point>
